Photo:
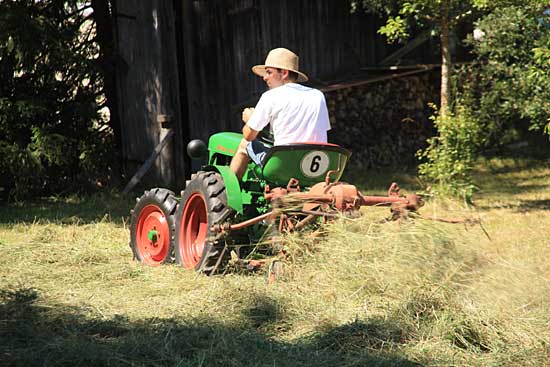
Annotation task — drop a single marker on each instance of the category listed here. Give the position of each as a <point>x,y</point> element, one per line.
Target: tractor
<point>220,216</point>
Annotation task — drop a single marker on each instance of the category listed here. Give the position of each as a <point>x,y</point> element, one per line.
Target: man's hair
<point>292,75</point>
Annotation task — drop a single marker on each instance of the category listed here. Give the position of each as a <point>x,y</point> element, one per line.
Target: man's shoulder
<point>292,88</point>
<point>276,93</point>
<point>291,92</point>
<point>299,87</point>
<point>308,90</point>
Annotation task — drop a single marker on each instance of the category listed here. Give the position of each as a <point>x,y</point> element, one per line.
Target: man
<point>297,114</point>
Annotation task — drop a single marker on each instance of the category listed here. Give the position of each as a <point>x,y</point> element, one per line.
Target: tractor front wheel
<point>152,227</point>
<point>204,204</point>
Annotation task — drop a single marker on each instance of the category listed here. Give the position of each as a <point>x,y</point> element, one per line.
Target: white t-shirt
<point>297,114</point>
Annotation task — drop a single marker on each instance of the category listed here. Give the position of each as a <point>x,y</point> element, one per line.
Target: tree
<point>440,16</point>
<point>53,138</point>
<point>103,16</point>
<point>509,86</point>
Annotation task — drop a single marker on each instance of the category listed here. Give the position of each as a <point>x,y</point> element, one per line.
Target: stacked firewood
<point>383,123</point>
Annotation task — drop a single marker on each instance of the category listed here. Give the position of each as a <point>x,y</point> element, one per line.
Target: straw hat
<point>281,58</point>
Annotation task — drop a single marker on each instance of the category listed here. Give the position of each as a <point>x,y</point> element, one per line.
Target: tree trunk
<point>104,25</point>
<point>446,62</point>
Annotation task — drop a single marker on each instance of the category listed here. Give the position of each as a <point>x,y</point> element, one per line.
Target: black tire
<point>155,208</point>
<point>203,204</point>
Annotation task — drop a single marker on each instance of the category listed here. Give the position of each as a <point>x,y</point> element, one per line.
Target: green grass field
<point>366,293</point>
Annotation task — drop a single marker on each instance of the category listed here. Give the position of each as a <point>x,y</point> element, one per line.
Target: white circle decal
<point>315,163</point>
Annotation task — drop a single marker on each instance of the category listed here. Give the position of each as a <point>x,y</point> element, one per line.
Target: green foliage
<point>402,15</point>
<point>450,156</point>
<point>50,95</point>
<point>509,87</point>
<point>395,29</point>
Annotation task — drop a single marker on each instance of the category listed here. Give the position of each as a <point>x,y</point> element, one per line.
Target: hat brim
<point>259,70</point>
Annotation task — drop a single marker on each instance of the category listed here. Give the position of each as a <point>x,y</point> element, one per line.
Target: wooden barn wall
<point>149,86</point>
<point>224,38</point>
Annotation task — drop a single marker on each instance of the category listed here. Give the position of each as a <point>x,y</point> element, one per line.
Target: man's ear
<point>284,74</point>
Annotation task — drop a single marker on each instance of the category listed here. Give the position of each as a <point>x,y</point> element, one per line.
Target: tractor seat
<point>307,162</point>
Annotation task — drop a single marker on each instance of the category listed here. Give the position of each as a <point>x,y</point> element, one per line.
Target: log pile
<point>383,123</point>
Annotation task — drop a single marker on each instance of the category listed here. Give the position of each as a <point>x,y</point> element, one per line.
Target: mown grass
<point>365,292</point>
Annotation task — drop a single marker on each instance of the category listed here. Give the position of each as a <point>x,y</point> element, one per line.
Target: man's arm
<point>249,134</point>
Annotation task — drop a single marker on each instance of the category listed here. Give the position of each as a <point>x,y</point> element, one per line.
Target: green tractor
<point>296,185</point>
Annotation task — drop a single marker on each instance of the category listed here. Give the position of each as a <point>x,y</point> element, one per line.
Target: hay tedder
<point>219,216</point>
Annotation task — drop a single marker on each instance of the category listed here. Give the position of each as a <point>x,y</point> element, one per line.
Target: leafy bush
<point>50,95</point>
<point>450,155</point>
<point>509,87</point>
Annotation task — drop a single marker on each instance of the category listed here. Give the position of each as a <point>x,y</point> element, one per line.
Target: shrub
<point>450,155</point>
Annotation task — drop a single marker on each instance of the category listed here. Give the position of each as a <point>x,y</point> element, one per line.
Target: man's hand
<point>247,112</point>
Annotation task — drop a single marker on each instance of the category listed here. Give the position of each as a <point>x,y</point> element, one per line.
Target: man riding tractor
<point>232,206</point>
<point>296,113</point>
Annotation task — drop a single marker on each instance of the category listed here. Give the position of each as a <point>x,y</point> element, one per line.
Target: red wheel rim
<point>152,235</point>
<point>193,230</point>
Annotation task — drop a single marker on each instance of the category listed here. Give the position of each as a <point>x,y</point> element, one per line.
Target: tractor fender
<point>232,186</point>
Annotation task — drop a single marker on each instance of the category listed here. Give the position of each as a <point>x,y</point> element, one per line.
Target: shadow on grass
<point>527,205</point>
<point>513,187</point>
<point>513,161</point>
<point>506,189</point>
<point>530,156</point>
<point>70,210</point>
<point>522,206</point>
<point>520,175</point>
<point>33,332</point>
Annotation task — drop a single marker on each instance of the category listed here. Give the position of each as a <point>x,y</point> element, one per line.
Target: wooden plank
<point>408,47</point>
<point>148,163</point>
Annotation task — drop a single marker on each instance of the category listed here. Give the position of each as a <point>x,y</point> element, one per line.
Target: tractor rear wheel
<point>152,227</point>
<point>203,204</point>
